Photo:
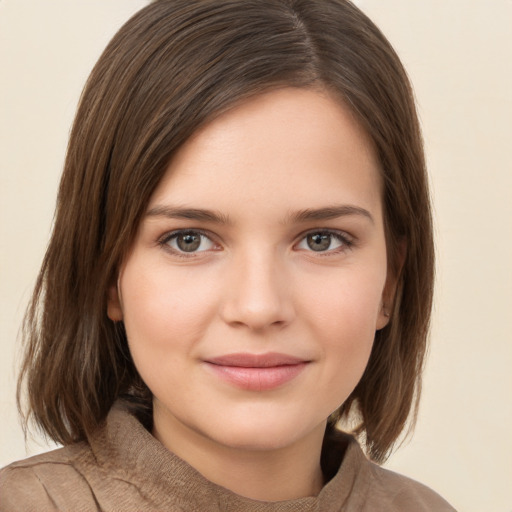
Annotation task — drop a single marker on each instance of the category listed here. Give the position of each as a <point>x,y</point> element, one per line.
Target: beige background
<point>459,55</point>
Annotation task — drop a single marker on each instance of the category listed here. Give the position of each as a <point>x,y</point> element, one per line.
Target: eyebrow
<point>198,214</point>
<point>329,212</point>
<point>308,214</point>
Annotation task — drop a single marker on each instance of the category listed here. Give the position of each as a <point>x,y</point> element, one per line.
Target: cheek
<point>349,301</point>
<point>164,309</point>
<point>343,318</point>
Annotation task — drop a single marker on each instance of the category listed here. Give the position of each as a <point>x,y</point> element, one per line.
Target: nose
<point>257,295</point>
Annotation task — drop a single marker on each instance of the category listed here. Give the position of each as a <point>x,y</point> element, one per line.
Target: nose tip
<point>257,316</point>
<point>258,298</point>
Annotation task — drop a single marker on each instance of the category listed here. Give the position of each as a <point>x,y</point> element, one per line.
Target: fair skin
<point>254,288</point>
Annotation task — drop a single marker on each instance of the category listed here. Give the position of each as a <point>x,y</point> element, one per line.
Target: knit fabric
<point>124,468</point>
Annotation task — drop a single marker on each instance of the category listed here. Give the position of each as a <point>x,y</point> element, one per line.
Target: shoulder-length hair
<point>172,67</point>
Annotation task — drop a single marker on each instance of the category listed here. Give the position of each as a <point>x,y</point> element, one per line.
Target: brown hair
<point>175,65</point>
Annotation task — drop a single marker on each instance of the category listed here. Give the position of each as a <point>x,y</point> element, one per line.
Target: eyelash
<point>347,241</point>
<point>164,241</point>
<point>344,238</point>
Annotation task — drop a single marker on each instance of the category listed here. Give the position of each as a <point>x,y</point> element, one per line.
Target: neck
<point>278,474</point>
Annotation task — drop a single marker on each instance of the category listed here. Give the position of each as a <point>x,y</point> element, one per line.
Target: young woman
<point>240,270</point>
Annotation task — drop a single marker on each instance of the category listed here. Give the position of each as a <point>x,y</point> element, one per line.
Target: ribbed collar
<point>126,450</point>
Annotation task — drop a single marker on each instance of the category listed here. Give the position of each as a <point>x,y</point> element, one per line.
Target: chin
<point>264,433</point>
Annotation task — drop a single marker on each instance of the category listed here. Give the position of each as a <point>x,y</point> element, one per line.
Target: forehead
<point>298,148</point>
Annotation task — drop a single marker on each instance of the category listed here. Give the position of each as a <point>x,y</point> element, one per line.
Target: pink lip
<point>257,372</point>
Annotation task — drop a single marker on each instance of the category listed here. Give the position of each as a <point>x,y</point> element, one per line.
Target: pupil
<point>188,242</point>
<point>319,242</point>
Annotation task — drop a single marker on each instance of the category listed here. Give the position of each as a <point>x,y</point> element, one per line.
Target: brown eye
<point>319,241</point>
<point>325,241</point>
<point>188,242</point>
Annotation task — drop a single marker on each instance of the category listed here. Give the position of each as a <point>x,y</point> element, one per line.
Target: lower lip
<point>258,379</point>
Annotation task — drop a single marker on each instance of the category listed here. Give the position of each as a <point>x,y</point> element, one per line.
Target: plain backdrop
<point>459,56</point>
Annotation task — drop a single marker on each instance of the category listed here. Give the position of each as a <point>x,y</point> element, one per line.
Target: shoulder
<point>392,491</point>
<point>369,487</point>
<point>40,482</point>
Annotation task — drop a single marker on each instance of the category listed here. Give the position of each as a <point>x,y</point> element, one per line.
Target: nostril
<point>260,316</point>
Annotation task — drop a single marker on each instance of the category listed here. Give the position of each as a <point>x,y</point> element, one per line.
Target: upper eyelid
<point>331,231</point>
<point>175,232</point>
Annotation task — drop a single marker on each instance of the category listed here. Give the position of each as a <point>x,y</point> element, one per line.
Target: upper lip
<point>247,360</point>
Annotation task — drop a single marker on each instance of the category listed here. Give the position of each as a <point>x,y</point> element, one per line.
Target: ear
<point>114,309</point>
<point>389,291</point>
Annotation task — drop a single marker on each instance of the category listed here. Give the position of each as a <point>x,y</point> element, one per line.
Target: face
<point>258,277</point>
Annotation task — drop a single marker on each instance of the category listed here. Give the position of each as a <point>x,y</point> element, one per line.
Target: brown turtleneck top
<point>124,468</point>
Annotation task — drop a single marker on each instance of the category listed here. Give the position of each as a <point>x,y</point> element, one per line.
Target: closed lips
<point>257,372</point>
<point>256,360</point>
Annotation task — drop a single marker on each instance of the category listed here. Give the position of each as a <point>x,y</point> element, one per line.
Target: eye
<point>324,241</point>
<point>188,242</point>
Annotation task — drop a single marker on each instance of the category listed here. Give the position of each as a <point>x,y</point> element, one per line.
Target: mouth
<point>257,372</point>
